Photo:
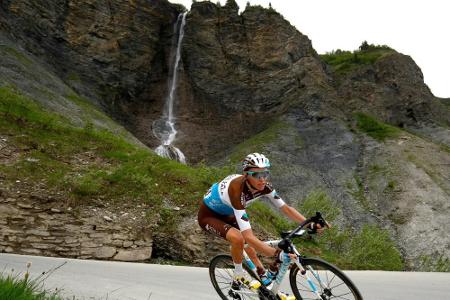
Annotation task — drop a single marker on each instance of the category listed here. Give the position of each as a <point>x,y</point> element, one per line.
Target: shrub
<point>372,249</point>
<point>343,62</point>
<point>375,128</point>
<point>14,287</point>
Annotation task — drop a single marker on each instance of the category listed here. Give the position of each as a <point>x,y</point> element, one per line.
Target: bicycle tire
<point>345,289</point>
<point>221,267</point>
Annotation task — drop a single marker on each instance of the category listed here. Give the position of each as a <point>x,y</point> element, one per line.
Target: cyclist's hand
<point>317,228</point>
<point>284,257</point>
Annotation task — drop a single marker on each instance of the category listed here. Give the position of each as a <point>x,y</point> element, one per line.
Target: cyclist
<point>222,213</point>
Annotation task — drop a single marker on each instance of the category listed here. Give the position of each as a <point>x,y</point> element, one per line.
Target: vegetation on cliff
<point>83,165</point>
<point>240,74</point>
<point>87,165</point>
<point>369,248</point>
<point>343,62</point>
<point>374,128</point>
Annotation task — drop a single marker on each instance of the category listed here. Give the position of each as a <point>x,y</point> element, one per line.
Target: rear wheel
<point>331,283</point>
<point>221,270</point>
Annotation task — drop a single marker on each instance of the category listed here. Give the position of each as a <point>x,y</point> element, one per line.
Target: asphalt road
<point>89,279</point>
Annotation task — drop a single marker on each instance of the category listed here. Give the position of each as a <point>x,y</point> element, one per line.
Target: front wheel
<point>330,282</point>
<point>221,269</point>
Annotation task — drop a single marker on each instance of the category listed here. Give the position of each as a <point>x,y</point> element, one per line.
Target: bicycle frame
<point>312,272</point>
<point>277,282</point>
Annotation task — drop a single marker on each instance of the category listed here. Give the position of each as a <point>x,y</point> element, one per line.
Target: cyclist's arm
<point>259,246</point>
<point>289,211</point>
<point>292,213</point>
<point>234,192</point>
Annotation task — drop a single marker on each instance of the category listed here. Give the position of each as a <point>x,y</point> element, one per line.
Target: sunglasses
<point>259,174</point>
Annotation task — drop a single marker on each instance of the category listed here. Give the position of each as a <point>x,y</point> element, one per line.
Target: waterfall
<point>164,128</point>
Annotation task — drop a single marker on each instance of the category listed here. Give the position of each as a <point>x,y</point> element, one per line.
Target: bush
<point>372,249</point>
<point>343,62</point>
<point>375,128</point>
<point>319,201</point>
<point>367,249</point>
<point>12,287</point>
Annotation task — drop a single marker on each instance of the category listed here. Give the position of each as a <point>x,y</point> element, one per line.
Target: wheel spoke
<point>221,270</point>
<point>337,285</point>
<point>330,286</point>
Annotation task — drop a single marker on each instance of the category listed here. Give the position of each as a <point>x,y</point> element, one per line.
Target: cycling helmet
<point>255,160</point>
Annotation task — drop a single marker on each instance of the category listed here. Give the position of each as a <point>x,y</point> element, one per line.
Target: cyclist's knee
<point>235,237</point>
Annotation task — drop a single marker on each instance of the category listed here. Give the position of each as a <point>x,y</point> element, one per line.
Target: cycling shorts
<point>214,223</point>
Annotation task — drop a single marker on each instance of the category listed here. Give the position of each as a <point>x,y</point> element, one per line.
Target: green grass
<point>434,263</point>
<point>348,248</point>
<point>372,249</point>
<point>90,111</point>
<point>16,54</point>
<point>257,142</point>
<point>344,62</point>
<point>358,192</point>
<point>369,248</point>
<point>267,219</point>
<point>15,287</point>
<point>319,201</point>
<point>84,163</point>
<point>375,128</point>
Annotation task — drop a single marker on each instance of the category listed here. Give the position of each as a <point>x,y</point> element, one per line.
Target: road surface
<point>106,280</point>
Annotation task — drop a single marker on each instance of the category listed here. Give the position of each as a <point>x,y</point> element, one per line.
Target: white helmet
<point>255,160</point>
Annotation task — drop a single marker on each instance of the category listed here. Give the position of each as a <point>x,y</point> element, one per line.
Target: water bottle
<point>283,269</point>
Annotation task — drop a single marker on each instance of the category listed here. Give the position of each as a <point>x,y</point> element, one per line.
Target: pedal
<point>234,295</point>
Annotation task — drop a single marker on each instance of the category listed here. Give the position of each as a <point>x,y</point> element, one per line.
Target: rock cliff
<point>112,52</point>
<point>240,75</point>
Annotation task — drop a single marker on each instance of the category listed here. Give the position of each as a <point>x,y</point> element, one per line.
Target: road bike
<point>309,277</point>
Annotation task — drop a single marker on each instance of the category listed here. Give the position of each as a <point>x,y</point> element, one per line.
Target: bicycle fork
<point>311,284</point>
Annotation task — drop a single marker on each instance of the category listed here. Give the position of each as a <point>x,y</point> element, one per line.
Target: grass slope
<point>85,164</point>
<point>343,62</point>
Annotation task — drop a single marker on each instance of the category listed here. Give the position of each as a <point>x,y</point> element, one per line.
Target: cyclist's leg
<point>226,228</point>
<point>234,236</point>
<point>212,222</point>
<point>251,252</point>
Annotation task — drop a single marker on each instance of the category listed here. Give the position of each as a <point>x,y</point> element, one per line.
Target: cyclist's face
<point>258,177</point>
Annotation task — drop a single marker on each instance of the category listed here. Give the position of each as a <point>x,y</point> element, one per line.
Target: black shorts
<point>214,223</point>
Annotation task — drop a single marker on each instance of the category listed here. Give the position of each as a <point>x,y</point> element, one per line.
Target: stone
<point>127,244</point>
<point>8,210</point>
<point>120,236</point>
<point>105,252</point>
<point>140,254</point>
<point>117,243</point>
<point>42,246</point>
<point>38,232</point>
<point>24,205</point>
<point>31,251</point>
<point>90,244</point>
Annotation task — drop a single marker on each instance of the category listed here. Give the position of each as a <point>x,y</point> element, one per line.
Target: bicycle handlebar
<point>285,244</point>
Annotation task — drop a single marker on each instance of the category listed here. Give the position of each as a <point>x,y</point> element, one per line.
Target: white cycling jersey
<point>218,200</point>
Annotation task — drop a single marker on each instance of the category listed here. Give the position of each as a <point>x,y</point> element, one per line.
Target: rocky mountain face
<point>241,73</point>
<point>112,52</point>
<point>393,89</point>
